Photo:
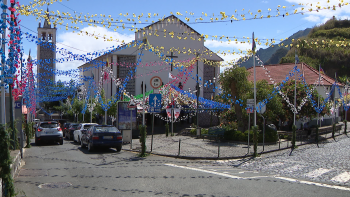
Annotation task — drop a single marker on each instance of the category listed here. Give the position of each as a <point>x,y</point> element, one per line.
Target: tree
<point>235,86</point>
<point>306,110</point>
<point>274,108</point>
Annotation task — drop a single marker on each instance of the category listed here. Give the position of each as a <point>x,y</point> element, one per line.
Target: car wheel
<point>61,142</point>
<point>90,148</point>
<point>82,145</point>
<point>119,148</point>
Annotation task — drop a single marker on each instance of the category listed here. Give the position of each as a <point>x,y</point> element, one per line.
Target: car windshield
<point>74,126</point>
<point>87,126</point>
<point>48,125</point>
<point>106,129</point>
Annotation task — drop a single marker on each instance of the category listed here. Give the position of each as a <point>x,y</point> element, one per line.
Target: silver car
<point>48,131</point>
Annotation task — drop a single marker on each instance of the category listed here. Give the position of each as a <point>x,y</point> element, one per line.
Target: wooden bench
<point>214,133</point>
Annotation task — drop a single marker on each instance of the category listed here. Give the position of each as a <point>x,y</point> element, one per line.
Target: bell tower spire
<point>46,54</point>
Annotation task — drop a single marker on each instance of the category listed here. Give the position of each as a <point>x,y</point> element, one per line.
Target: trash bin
<point>198,132</point>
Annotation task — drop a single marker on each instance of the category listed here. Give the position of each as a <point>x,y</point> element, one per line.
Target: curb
<point>224,158</point>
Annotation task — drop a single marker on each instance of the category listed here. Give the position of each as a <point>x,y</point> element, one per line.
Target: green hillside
<point>327,45</point>
<point>266,54</point>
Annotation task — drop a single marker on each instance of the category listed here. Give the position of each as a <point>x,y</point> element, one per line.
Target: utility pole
<point>254,81</point>
<point>3,93</point>
<point>10,88</point>
<point>197,117</point>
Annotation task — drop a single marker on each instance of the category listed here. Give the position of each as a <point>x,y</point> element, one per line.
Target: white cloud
<point>264,2</point>
<point>312,18</point>
<point>83,44</point>
<point>324,14</point>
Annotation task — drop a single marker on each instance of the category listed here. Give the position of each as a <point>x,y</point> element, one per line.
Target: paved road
<point>68,170</point>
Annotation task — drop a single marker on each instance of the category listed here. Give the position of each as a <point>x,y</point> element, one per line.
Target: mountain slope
<point>266,54</point>
<point>327,45</point>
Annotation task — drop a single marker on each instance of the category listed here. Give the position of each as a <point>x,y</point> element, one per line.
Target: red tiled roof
<point>279,72</point>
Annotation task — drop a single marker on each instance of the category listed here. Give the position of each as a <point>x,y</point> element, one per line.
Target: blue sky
<point>266,28</point>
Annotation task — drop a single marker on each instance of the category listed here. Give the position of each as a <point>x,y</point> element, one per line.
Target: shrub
<point>236,135</point>
<point>204,131</point>
<point>193,131</point>
<point>270,135</point>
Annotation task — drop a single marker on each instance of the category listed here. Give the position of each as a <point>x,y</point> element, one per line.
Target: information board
<point>124,116</point>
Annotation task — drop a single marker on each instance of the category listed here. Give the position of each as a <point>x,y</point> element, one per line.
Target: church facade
<point>178,48</point>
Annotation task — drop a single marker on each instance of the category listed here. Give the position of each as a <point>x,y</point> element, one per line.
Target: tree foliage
<point>307,110</point>
<point>235,85</point>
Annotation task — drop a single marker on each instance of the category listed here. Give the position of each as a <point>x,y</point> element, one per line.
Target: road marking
<point>313,183</point>
<point>317,172</point>
<point>277,177</point>
<point>343,177</point>
<point>207,171</point>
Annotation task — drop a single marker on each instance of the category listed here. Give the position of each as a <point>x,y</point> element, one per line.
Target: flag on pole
<point>176,113</point>
<point>253,45</point>
<point>172,76</point>
<point>321,70</point>
<point>168,112</point>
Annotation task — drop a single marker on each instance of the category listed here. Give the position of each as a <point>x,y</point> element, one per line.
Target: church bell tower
<point>46,55</point>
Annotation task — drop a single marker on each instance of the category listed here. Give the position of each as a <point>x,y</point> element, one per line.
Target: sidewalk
<point>188,147</point>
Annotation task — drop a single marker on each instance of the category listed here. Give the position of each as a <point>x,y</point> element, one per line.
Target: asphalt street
<point>68,170</point>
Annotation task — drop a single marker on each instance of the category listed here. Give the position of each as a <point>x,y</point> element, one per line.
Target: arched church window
<point>43,36</point>
<point>50,38</point>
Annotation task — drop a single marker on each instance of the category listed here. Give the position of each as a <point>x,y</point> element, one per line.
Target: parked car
<point>102,136</point>
<point>48,131</point>
<point>61,121</point>
<point>81,127</point>
<point>70,130</point>
<point>65,128</point>
<point>36,121</point>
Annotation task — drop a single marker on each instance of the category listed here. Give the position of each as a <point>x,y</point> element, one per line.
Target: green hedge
<point>236,135</point>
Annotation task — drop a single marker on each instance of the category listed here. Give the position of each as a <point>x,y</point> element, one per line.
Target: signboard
<point>156,82</point>
<point>250,101</point>
<point>168,112</point>
<point>124,116</point>
<point>261,108</point>
<point>18,104</point>
<point>132,104</point>
<point>250,106</point>
<point>155,103</point>
<point>177,113</point>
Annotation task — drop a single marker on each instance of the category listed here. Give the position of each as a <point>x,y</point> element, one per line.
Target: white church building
<point>175,41</point>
